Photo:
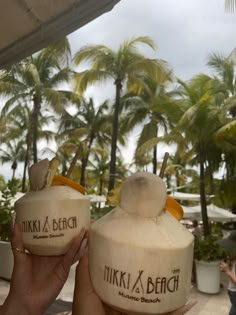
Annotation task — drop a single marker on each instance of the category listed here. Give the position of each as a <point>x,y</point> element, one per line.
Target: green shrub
<point>209,250</point>
<point>97,213</point>
<point>6,211</point>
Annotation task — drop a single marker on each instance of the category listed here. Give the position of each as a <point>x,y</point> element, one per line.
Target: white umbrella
<point>97,198</point>
<point>187,196</point>
<point>214,213</point>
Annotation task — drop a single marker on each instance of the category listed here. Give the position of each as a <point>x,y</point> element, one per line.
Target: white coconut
<point>50,218</point>
<point>140,256</point>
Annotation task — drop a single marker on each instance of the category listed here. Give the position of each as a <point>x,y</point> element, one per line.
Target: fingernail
<point>82,232</point>
<point>83,247</point>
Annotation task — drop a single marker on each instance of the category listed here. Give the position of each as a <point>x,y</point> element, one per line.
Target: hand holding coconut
<point>87,302</point>
<point>37,280</point>
<point>47,239</point>
<point>140,256</point>
<point>53,212</point>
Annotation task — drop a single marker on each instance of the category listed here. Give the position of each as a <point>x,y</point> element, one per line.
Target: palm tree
<point>3,128</point>
<point>13,153</point>
<point>225,76</point>
<point>19,129</point>
<point>158,111</point>
<point>200,124</point>
<point>100,171</point>
<point>35,81</point>
<point>90,121</point>
<point>225,83</point>
<point>122,66</point>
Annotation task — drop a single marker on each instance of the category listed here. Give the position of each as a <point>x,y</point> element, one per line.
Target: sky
<point>185,31</point>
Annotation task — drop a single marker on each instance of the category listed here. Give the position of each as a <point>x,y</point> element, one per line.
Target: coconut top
<point>52,193</point>
<point>143,194</point>
<point>163,231</point>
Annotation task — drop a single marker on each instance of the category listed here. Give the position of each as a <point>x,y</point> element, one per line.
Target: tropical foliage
<point>45,104</point>
<point>125,67</point>
<point>209,250</point>
<point>34,82</point>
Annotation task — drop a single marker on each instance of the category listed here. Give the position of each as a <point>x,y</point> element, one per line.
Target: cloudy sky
<point>185,31</point>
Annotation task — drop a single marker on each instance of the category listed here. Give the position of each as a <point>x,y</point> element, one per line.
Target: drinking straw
<point>163,166</point>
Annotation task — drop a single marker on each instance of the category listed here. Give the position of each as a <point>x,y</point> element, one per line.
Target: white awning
<point>214,213</point>
<point>27,26</point>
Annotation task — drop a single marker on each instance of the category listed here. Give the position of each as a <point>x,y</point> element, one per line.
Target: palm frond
<point>59,77</point>
<point>83,79</point>
<point>91,53</point>
<point>147,146</point>
<point>32,74</point>
<point>130,45</point>
<point>227,133</point>
<point>55,99</point>
<point>12,102</point>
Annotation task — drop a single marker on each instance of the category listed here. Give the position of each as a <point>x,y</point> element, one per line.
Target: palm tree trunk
<point>13,173</point>
<point>154,160</point>
<point>112,173</point>
<point>26,162</point>
<point>100,186</point>
<point>206,228</point>
<point>34,121</point>
<point>154,156</point>
<point>211,177</point>
<point>23,189</point>
<point>85,162</point>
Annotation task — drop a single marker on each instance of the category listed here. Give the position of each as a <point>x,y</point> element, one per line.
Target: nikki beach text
<point>49,224</point>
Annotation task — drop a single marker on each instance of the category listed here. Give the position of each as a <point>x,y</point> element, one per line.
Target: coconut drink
<point>140,255</point>
<point>53,212</point>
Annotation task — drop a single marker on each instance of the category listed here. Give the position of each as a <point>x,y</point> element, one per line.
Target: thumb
<point>83,283</point>
<point>17,245</point>
<point>21,259</point>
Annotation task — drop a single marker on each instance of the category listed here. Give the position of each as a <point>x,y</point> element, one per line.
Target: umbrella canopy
<point>28,26</point>
<point>97,198</point>
<point>214,213</point>
<point>186,196</point>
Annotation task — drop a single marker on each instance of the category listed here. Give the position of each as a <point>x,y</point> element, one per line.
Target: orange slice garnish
<point>59,180</point>
<point>174,208</point>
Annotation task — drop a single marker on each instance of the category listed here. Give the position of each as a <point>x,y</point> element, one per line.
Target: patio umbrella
<point>187,196</point>
<point>214,213</point>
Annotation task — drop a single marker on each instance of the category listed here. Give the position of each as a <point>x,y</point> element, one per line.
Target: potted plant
<point>6,210</point>
<point>208,254</point>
